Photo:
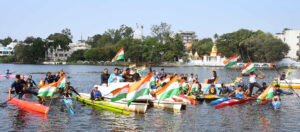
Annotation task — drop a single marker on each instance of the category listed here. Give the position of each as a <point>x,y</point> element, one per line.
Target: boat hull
<point>234,101</point>
<point>33,106</point>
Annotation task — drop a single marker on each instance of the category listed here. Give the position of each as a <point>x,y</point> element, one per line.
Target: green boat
<point>102,104</point>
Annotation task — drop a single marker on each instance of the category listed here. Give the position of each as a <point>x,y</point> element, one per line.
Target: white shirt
<point>252,78</point>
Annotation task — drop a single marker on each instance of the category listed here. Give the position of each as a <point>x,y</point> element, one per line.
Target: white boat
<point>166,104</point>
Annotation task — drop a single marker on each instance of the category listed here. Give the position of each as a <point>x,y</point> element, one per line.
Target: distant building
<point>292,38</point>
<point>8,50</point>
<point>138,33</point>
<point>188,38</point>
<point>58,54</point>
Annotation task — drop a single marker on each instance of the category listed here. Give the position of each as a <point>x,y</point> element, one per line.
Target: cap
<point>95,86</point>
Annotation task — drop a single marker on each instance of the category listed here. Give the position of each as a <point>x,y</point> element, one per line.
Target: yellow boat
<point>296,86</point>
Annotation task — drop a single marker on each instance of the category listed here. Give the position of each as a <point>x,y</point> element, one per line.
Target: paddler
<point>224,89</point>
<point>252,80</point>
<point>96,94</point>
<point>7,72</point>
<point>67,91</point>
<point>19,86</point>
<point>57,76</point>
<point>278,91</point>
<point>104,77</point>
<point>239,93</point>
<point>244,87</point>
<point>115,77</point>
<point>212,89</point>
<point>49,78</point>
<point>259,91</point>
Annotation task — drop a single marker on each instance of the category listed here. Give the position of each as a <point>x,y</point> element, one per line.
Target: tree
<point>58,39</point>
<point>161,32</point>
<point>67,32</point>
<point>77,55</point>
<point>203,46</point>
<point>6,41</point>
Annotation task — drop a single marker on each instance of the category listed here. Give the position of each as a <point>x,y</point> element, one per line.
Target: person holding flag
<point>248,70</point>
<point>115,77</point>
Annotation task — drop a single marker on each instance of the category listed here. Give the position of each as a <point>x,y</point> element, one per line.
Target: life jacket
<point>212,90</point>
<point>239,95</point>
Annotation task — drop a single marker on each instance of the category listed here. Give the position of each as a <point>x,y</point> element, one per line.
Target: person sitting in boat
<point>104,77</point>
<point>19,86</point>
<point>224,89</point>
<point>96,94</point>
<point>283,76</point>
<point>214,79</point>
<point>239,93</point>
<point>7,72</point>
<point>191,79</point>
<point>278,91</point>
<point>67,91</point>
<point>49,78</point>
<point>212,89</point>
<point>263,88</point>
<point>162,74</point>
<point>32,82</point>
<point>136,76</point>
<point>232,89</point>
<point>57,76</point>
<point>199,89</point>
<point>127,76</point>
<point>115,77</point>
<point>196,78</point>
<point>244,87</point>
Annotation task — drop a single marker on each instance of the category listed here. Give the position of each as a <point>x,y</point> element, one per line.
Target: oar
<point>291,88</point>
<point>4,103</point>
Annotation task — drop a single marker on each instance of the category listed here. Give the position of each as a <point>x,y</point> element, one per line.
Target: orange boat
<point>33,106</point>
<point>182,98</point>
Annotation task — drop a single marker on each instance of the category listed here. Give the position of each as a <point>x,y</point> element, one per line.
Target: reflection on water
<point>203,117</point>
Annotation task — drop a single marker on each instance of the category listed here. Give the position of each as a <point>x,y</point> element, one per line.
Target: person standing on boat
<point>67,91</point>
<point>212,89</point>
<point>162,74</point>
<point>49,78</point>
<point>96,94</point>
<point>127,76</point>
<point>252,80</point>
<point>214,79</point>
<point>283,76</point>
<point>104,77</point>
<point>19,86</point>
<point>239,93</point>
<point>115,77</point>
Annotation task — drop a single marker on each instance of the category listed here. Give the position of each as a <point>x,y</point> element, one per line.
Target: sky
<point>40,18</point>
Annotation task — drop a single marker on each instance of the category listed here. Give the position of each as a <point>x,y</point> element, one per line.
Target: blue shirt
<point>238,95</point>
<point>216,88</point>
<point>113,76</point>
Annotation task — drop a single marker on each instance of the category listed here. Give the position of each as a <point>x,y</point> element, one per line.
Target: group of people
<point>127,75</point>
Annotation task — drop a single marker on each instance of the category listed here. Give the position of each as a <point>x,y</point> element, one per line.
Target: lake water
<point>245,117</point>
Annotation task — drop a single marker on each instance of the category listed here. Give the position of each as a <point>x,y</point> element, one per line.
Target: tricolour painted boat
<point>218,101</point>
<point>234,101</point>
<point>182,98</point>
<point>169,104</point>
<point>33,106</point>
<point>102,104</point>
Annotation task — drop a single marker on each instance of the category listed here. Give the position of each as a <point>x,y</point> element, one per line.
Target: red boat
<point>234,101</point>
<point>33,106</point>
<point>182,98</point>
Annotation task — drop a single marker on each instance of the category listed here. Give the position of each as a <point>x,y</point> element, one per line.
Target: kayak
<point>69,105</point>
<point>276,104</point>
<point>102,104</point>
<point>234,101</point>
<point>218,101</point>
<point>33,106</point>
<point>182,98</point>
<point>208,97</point>
<point>8,76</point>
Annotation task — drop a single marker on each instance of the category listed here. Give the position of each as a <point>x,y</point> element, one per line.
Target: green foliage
<point>7,59</point>
<point>161,32</point>
<point>77,55</point>
<point>203,46</point>
<point>6,41</point>
<point>58,39</point>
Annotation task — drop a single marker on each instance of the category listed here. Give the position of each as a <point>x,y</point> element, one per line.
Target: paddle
<point>286,82</point>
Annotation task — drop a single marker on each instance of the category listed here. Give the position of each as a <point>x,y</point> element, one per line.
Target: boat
<point>208,97</point>
<point>107,89</point>
<point>234,101</point>
<point>276,104</point>
<point>69,105</point>
<point>8,76</point>
<point>218,101</point>
<point>168,104</point>
<point>33,106</point>
<point>102,104</point>
<point>182,98</point>
<point>295,86</point>
<point>294,83</point>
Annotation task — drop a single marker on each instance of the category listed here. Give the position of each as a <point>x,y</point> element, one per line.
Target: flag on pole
<point>170,89</point>
<point>141,69</point>
<point>47,90</point>
<point>268,93</point>
<point>248,68</point>
<point>41,83</point>
<point>119,55</point>
<point>131,66</point>
<point>120,93</point>
<point>193,88</point>
<point>231,61</point>
<point>62,82</point>
<point>138,89</point>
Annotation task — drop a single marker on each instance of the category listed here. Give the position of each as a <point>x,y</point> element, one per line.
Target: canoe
<point>102,104</point>
<point>208,97</point>
<point>234,101</point>
<point>296,86</point>
<point>8,76</point>
<point>33,106</point>
<point>182,98</point>
<point>218,101</point>
<point>276,104</point>
<point>168,104</point>
<point>69,105</point>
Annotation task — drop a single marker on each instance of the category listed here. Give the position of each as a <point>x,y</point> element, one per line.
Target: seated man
<point>239,93</point>
<point>212,89</point>
<point>115,77</point>
<point>96,94</point>
<point>225,90</point>
<point>127,76</point>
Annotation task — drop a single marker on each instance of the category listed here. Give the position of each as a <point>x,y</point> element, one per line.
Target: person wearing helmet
<point>67,90</point>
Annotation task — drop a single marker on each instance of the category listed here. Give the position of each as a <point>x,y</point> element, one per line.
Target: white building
<point>8,50</point>
<point>188,38</point>
<point>291,37</point>
<point>58,54</point>
<point>138,34</point>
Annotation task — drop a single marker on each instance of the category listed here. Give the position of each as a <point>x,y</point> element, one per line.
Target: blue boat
<point>218,101</point>
<point>69,105</point>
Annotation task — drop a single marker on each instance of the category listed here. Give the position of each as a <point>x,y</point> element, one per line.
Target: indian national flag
<point>120,93</point>
<point>183,84</point>
<point>231,61</point>
<point>131,66</point>
<point>248,68</point>
<point>47,90</point>
<point>141,69</point>
<point>268,93</point>
<point>62,82</point>
<point>138,89</point>
<point>119,55</point>
<point>41,83</point>
<point>152,82</point>
<point>170,89</point>
<point>288,73</point>
<point>161,82</point>
<point>193,88</point>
